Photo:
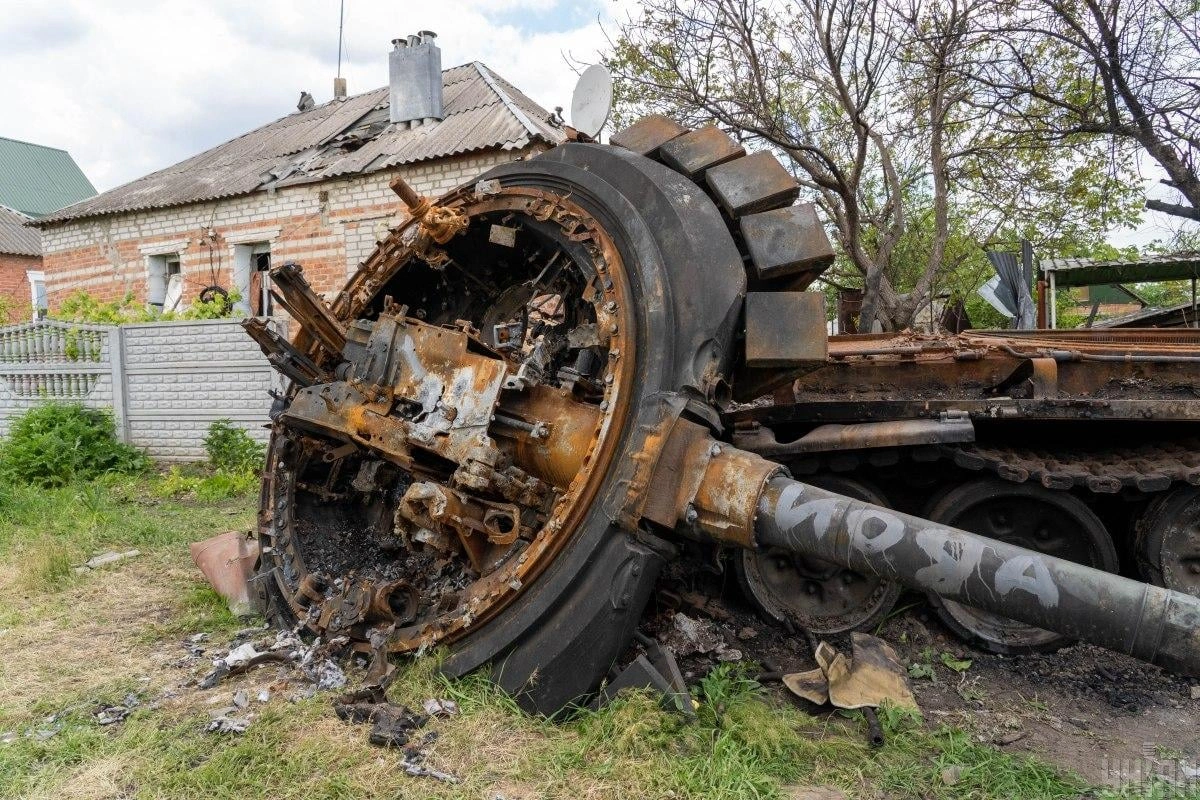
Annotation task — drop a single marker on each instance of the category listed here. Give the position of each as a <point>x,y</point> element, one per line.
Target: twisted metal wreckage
<point>538,389</point>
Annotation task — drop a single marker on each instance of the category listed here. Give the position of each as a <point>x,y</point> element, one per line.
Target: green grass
<point>632,749</point>
<point>76,641</point>
<point>47,531</point>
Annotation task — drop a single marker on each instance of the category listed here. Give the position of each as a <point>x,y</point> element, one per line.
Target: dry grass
<point>88,635</point>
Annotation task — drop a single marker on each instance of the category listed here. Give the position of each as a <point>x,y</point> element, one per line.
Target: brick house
<point>311,187</point>
<point>20,257</point>
<point>34,181</point>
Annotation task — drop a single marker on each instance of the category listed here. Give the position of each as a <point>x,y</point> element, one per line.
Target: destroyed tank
<point>547,384</point>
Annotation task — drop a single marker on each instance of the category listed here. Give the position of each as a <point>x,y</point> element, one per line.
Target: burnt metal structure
<point>536,391</point>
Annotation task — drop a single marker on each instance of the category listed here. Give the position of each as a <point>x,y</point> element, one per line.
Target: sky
<point>131,86</point>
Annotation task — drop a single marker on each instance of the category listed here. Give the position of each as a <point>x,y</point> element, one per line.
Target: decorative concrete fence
<point>164,381</point>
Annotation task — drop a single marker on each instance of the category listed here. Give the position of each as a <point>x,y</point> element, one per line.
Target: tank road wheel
<point>1056,523</point>
<point>1168,540</point>
<point>819,596</point>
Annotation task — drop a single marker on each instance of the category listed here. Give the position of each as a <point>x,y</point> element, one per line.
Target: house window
<point>252,278</point>
<point>37,292</point>
<point>164,282</point>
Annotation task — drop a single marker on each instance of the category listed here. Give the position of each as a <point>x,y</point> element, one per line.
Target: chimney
<point>339,88</point>
<point>415,73</point>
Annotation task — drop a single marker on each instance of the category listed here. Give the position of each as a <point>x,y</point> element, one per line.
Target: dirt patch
<point>1098,713</point>
<point>1107,717</point>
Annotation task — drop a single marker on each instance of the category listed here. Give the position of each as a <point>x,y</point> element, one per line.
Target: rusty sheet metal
<point>290,289</point>
<point>227,561</point>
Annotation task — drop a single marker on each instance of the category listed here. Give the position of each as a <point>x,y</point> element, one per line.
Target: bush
<point>231,449</point>
<point>82,308</point>
<point>57,443</point>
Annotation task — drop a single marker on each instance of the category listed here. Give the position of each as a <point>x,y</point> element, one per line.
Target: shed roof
<point>35,179</point>
<point>16,238</point>
<point>338,139</point>
<point>1180,315</point>
<point>1087,272</point>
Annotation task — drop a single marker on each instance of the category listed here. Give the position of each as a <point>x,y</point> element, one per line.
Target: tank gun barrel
<point>1145,621</point>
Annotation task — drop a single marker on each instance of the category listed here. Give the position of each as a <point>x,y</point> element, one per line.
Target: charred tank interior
<point>402,516</point>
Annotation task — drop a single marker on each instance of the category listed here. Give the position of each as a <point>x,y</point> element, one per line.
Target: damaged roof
<point>339,139</point>
<point>16,238</point>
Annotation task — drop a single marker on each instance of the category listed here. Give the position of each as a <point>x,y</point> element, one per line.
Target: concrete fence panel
<point>166,382</point>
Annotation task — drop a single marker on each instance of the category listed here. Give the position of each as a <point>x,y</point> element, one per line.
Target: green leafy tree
<point>1119,71</point>
<point>872,104</point>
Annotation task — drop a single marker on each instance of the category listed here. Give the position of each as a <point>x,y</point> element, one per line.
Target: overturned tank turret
<point>501,429</point>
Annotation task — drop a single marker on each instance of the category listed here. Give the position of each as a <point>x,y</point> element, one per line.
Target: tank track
<point>1148,468</point>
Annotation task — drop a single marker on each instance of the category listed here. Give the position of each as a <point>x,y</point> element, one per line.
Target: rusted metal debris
<point>227,562</point>
<point>521,407</point>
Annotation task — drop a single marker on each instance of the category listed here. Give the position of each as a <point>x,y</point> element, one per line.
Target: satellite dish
<point>591,101</point>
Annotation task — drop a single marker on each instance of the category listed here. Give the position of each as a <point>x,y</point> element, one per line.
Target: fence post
<point>116,358</point>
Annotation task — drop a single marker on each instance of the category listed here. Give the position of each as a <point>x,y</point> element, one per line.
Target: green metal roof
<point>1088,272</point>
<point>36,180</point>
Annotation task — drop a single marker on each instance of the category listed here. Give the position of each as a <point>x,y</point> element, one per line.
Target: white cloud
<point>135,86</point>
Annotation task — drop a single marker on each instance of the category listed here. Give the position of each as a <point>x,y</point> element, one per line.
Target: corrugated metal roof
<point>36,180</point>
<point>1180,315</point>
<point>16,238</point>
<point>1088,272</point>
<point>336,140</point>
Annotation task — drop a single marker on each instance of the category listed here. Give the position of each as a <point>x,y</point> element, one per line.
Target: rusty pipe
<point>417,205</point>
<point>1144,621</point>
<point>551,434</point>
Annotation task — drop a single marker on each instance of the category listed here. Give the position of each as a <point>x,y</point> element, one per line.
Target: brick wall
<point>14,286</point>
<point>329,228</point>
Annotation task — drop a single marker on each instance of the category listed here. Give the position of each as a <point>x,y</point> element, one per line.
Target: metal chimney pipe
<point>415,79</point>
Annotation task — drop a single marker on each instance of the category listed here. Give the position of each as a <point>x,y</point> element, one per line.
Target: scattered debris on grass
<point>871,675</point>
<point>222,723</point>
<point>690,635</point>
<point>111,715</point>
<point>413,766</point>
<point>394,725</point>
<point>105,559</point>
<point>285,648</point>
<point>391,725</point>
<point>436,707</point>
